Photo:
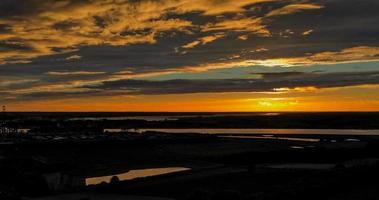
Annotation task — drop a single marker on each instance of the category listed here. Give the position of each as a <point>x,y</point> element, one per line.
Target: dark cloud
<point>59,95</point>
<point>340,24</point>
<point>268,83</point>
<point>280,75</point>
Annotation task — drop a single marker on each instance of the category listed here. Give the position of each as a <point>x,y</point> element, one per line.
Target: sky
<point>189,55</point>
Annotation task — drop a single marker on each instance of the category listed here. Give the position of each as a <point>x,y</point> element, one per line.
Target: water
<point>274,138</point>
<point>133,174</point>
<point>171,117</point>
<point>146,118</point>
<point>271,131</point>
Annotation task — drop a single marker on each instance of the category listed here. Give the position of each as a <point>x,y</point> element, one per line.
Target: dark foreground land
<point>73,121</point>
<point>55,164</point>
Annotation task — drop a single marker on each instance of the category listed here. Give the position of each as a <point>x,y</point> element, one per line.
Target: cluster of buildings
<point>6,127</point>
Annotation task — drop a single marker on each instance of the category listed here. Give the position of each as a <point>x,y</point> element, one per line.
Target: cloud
<point>361,53</point>
<point>280,75</point>
<point>78,77</point>
<point>293,8</point>
<point>50,27</point>
<point>252,25</point>
<point>73,73</point>
<point>34,29</point>
<point>70,25</point>
<point>215,7</point>
<point>243,37</point>
<point>11,83</point>
<point>307,32</point>
<point>39,38</point>
<point>349,55</point>
<point>74,57</point>
<point>203,40</point>
<point>267,83</point>
<point>191,44</point>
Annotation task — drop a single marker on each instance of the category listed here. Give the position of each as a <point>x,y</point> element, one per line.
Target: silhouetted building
<point>6,127</point>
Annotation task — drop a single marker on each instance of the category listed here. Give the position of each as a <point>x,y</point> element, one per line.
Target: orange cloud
<point>243,37</point>
<point>308,32</point>
<point>67,25</point>
<point>293,8</point>
<point>74,57</point>
<point>252,25</point>
<point>349,55</point>
<point>203,40</point>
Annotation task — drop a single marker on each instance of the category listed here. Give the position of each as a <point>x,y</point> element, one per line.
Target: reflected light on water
<point>269,131</point>
<point>132,174</point>
<point>274,138</point>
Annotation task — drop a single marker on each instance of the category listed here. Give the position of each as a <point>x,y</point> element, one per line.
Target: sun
<point>276,103</point>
